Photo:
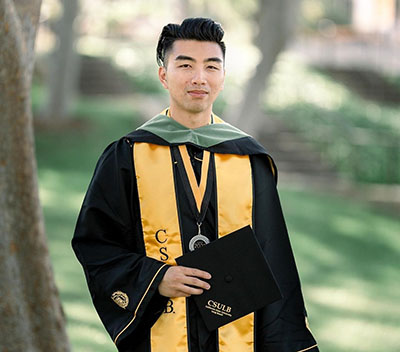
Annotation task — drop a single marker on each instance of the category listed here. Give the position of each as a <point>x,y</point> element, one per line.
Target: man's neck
<point>191,120</point>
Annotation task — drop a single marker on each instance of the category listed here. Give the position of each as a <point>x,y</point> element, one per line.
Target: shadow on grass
<point>347,256</point>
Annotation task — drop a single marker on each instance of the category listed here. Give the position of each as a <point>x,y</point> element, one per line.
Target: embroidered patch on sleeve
<point>120,298</point>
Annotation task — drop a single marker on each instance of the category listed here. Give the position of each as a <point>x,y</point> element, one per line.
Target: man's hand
<point>180,281</point>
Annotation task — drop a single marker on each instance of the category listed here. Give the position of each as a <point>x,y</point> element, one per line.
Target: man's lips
<point>198,93</point>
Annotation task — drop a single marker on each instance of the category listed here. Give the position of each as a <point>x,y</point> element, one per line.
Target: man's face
<point>194,75</point>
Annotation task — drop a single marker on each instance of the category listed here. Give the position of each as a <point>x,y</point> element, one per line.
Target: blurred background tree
<point>275,22</point>
<point>62,76</point>
<point>31,317</point>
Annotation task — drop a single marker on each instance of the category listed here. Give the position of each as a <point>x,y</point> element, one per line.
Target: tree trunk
<point>183,8</point>
<point>276,21</point>
<point>64,66</point>
<point>31,317</point>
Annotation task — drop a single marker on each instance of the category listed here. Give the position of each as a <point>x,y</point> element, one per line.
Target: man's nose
<point>199,77</point>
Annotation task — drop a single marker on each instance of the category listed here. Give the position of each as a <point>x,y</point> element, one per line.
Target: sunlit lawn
<point>347,254</point>
<point>348,258</point>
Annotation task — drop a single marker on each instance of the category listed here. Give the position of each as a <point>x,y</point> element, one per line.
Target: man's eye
<point>184,65</point>
<point>213,68</point>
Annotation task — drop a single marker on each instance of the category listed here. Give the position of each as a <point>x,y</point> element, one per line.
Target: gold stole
<point>162,237</point>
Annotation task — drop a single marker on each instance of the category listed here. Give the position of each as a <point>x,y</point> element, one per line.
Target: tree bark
<point>31,317</point>
<point>64,66</point>
<point>276,20</point>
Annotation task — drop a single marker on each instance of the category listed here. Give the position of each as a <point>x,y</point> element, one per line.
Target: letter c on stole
<point>158,238</point>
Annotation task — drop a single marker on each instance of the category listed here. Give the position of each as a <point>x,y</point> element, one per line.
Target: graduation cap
<point>241,281</point>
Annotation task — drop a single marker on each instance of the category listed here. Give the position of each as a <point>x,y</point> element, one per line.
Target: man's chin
<point>196,108</point>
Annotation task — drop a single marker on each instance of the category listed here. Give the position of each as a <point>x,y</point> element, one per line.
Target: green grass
<point>347,256</point>
<point>346,253</point>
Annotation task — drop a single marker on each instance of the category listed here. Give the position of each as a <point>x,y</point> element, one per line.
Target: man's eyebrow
<point>214,59</point>
<point>184,57</point>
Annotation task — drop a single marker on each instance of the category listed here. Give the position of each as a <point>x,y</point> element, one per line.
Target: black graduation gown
<point>108,243</point>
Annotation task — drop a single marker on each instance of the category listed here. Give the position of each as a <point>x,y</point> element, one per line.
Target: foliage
<point>361,138</point>
<point>316,14</point>
<point>394,80</point>
<point>145,83</point>
<point>37,94</point>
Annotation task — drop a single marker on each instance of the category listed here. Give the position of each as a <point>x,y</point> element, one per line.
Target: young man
<point>180,181</point>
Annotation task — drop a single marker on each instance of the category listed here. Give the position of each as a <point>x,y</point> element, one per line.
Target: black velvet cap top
<point>241,282</point>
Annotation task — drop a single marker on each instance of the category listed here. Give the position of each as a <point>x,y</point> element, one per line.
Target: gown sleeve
<point>281,326</point>
<point>108,243</point>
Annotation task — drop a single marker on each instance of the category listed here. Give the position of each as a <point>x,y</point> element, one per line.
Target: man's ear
<point>162,76</point>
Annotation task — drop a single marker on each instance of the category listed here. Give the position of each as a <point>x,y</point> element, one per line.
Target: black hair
<point>202,29</point>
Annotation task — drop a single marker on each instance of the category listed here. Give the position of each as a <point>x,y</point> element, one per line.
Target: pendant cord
<point>199,211</point>
<point>197,189</point>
